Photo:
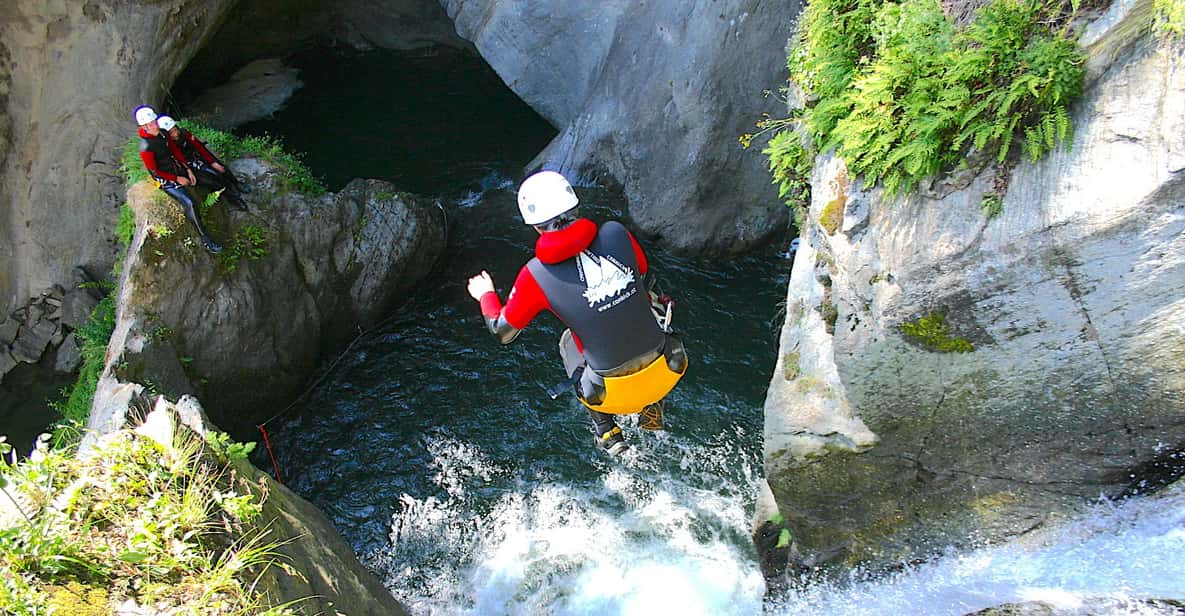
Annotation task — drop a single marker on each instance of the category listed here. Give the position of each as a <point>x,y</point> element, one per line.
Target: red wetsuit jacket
<point>193,148</point>
<point>161,156</point>
<point>526,298</point>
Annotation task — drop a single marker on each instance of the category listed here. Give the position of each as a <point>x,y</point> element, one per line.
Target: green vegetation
<point>902,93</point>
<point>932,332</point>
<point>832,215</point>
<point>75,408</point>
<point>167,525</point>
<point>125,228</point>
<point>229,147</point>
<point>1169,21</point>
<point>991,205</point>
<point>250,241</point>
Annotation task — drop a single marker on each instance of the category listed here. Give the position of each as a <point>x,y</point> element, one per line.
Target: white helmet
<point>544,196</point>
<point>144,115</point>
<point>165,122</point>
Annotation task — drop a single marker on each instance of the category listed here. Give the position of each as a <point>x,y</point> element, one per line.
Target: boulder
<point>8,330</point>
<point>68,357</point>
<point>255,91</point>
<point>77,306</point>
<point>298,278</point>
<point>7,362</point>
<point>651,97</point>
<point>945,378</point>
<point>31,341</point>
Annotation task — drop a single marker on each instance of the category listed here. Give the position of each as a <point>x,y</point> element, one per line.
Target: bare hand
<point>219,168</point>
<point>192,180</point>
<point>184,181</point>
<point>480,284</point>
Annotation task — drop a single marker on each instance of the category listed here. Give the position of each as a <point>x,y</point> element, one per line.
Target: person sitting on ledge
<point>165,163</point>
<point>210,171</point>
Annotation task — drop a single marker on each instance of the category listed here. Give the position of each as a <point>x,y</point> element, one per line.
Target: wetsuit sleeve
<point>641,256</point>
<point>526,300</point>
<point>201,148</point>
<point>149,160</point>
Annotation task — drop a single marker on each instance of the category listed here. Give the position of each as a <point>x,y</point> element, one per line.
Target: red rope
<point>267,443</point>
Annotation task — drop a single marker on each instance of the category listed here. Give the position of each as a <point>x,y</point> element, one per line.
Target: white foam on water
<point>620,544</point>
<point>490,182</point>
<point>1108,561</point>
<point>634,540</point>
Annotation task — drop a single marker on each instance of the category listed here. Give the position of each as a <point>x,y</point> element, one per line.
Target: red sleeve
<point>150,163</point>
<point>642,266</point>
<point>526,300</point>
<point>201,147</point>
<point>491,306</point>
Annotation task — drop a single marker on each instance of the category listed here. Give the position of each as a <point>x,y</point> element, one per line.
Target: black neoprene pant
<point>180,195</point>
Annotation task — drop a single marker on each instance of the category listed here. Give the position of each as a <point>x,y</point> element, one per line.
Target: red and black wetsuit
<point>165,162</point>
<point>162,157</point>
<point>592,280</point>
<point>202,160</point>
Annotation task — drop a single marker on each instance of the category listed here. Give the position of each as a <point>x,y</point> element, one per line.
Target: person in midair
<point>166,164</point>
<point>618,356</point>
<point>209,171</point>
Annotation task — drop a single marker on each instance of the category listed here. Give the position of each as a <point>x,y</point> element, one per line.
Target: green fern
<point>901,94</point>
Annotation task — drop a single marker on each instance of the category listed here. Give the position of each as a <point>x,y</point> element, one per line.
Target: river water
<point>437,454</point>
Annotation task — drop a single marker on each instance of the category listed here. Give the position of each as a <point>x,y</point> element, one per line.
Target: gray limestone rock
<point>8,331</point>
<point>248,331</point>
<point>652,97</point>
<point>31,341</point>
<point>881,446</point>
<point>7,362</point>
<point>77,306</point>
<point>255,91</point>
<point>69,356</point>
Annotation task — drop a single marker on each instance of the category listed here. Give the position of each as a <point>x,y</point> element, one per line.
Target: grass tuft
<point>165,525</point>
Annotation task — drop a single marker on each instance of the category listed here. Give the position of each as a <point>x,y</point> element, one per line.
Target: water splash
<point>629,541</point>
<point>490,182</point>
<point>1108,561</point>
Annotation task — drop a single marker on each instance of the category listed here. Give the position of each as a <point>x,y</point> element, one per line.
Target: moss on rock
<point>932,333</point>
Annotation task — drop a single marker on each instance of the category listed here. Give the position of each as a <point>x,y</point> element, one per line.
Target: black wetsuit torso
<point>600,295</point>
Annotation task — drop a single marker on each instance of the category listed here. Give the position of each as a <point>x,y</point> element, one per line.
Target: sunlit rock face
<point>70,75</point>
<point>947,378</point>
<point>651,97</point>
<point>298,277</point>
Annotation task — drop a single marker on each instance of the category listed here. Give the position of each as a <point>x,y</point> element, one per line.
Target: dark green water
<point>435,450</point>
<point>424,121</point>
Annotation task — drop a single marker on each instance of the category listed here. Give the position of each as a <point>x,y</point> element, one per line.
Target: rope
<point>329,369</point>
<point>268,443</point>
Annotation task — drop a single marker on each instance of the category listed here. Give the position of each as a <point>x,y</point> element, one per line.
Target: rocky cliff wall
<point>70,74</point>
<point>650,96</point>
<point>1046,365</point>
<point>299,277</point>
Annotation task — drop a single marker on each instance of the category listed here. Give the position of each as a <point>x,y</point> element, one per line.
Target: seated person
<point>209,171</point>
<point>165,163</point>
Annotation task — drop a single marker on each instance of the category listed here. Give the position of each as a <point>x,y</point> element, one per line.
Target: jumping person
<point>210,171</point>
<point>618,357</point>
<point>166,164</point>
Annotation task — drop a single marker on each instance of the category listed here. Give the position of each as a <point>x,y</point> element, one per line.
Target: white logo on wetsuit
<point>603,277</point>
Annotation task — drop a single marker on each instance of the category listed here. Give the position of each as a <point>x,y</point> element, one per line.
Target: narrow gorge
<point>988,366</point>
